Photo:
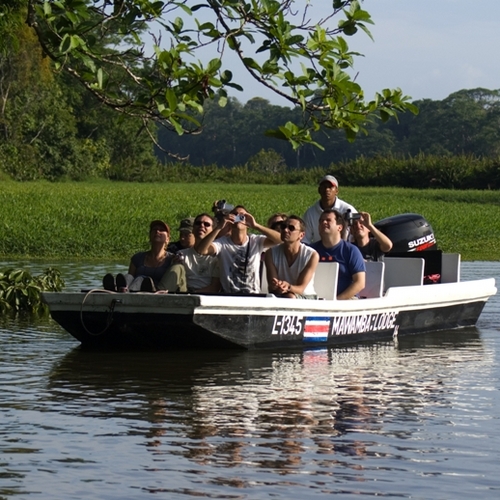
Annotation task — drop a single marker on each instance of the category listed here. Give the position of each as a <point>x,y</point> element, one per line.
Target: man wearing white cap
<point>328,189</point>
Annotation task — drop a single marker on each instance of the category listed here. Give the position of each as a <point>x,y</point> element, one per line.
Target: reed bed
<point>110,220</point>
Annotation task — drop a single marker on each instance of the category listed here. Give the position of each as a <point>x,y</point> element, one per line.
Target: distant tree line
<point>465,123</point>
<point>52,128</point>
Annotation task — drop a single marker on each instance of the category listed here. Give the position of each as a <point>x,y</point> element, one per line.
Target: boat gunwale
<point>400,298</point>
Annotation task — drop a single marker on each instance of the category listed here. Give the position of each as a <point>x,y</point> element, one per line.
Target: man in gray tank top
<point>291,266</point>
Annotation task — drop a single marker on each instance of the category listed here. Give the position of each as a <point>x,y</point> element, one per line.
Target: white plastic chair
<point>450,267</point>
<point>401,271</point>
<point>326,280</point>
<point>374,284</point>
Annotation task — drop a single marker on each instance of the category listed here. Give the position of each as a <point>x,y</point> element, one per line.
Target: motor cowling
<point>408,233</point>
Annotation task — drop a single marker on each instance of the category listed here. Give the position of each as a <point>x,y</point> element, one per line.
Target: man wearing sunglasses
<point>332,248</point>
<point>238,253</point>
<point>291,266</point>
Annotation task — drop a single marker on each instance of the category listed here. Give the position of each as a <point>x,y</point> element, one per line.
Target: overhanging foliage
<point>279,44</point>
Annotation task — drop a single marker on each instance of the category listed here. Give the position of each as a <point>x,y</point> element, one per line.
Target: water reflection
<point>413,419</point>
<point>277,411</point>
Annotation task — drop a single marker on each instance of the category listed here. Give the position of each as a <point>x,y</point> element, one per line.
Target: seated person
<point>328,190</point>
<point>291,265</point>
<point>146,269</point>
<point>332,248</point>
<point>186,238</point>
<point>372,243</point>
<point>238,253</point>
<point>201,271</point>
<point>274,222</point>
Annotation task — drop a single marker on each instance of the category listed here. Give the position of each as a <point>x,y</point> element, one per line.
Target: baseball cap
<point>187,224</point>
<point>159,223</point>
<point>331,179</point>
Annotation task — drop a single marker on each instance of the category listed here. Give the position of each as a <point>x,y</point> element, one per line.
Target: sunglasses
<point>291,228</point>
<point>202,223</point>
<point>276,225</point>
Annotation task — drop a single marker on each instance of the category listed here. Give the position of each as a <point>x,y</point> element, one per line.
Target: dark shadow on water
<point>227,367</point>
<point>264,403</point>
<point>455,339</point>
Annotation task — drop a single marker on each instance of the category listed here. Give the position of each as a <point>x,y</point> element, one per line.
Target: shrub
<point>21,292</point>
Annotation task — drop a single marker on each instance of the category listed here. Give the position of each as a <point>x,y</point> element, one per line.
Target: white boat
<point>395,302</point>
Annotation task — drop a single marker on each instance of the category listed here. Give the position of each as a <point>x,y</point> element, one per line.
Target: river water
<point>415,419</point>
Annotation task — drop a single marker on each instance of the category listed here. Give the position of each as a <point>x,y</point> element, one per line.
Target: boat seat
<point>450,268</point>
<point>401,271</point>
<point>374,285</point>
<point>432,263</point>
<point>263,278</point>
<point>325,280</point>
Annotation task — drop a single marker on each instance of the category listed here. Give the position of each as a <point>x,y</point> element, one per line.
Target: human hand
<point>178,258</point>
<point>366,219</point>
<point>250,220</point>
<point>280,286</point>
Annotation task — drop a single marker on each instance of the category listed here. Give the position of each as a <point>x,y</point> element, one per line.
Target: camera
<point>239,218</point>
<point>350,217</point>
<point>222,207</point>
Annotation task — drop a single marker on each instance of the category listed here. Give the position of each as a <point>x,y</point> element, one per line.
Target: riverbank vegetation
<point>20,291</point>
<point>104,220</point>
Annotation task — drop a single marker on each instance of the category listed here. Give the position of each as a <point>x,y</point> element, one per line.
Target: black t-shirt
<point>371,251</point>
<point>174,247</point>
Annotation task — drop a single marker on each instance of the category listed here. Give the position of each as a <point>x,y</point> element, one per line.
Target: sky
<point>428,48</point>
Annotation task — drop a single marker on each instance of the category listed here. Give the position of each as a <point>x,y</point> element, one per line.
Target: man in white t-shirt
<point>328,189</point>
<point>238,253</point>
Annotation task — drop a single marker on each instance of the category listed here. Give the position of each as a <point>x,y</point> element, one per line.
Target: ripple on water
<point>417,418</point>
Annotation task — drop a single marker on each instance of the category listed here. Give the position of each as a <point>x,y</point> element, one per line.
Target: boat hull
<point>103,319</point>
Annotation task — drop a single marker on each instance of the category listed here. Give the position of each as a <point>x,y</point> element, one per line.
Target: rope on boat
<point>109,318</point>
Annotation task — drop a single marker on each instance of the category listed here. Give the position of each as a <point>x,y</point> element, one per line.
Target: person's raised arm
<point>204,246</point>
<point>384,242</point>
<point>272,237</point>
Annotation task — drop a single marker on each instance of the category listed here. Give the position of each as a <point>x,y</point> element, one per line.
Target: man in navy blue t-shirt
<point>332,248</point>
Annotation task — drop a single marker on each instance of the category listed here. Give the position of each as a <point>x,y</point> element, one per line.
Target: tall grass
<point>111,220</point>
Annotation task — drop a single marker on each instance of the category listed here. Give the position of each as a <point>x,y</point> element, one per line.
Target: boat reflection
<point>274,410</point>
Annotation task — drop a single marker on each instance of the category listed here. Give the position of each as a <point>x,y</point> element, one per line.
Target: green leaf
<point>171,99</point>
<point>177,126</point>
<point>99,78</point>
<point>226,77</point>
<point>251,63</point>
<point>276,134</point>
<point>65,45</point>
<point>214,65</point>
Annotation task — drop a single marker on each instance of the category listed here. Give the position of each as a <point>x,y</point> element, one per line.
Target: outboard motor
<point>408,233</point>
<point>412,236</point>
